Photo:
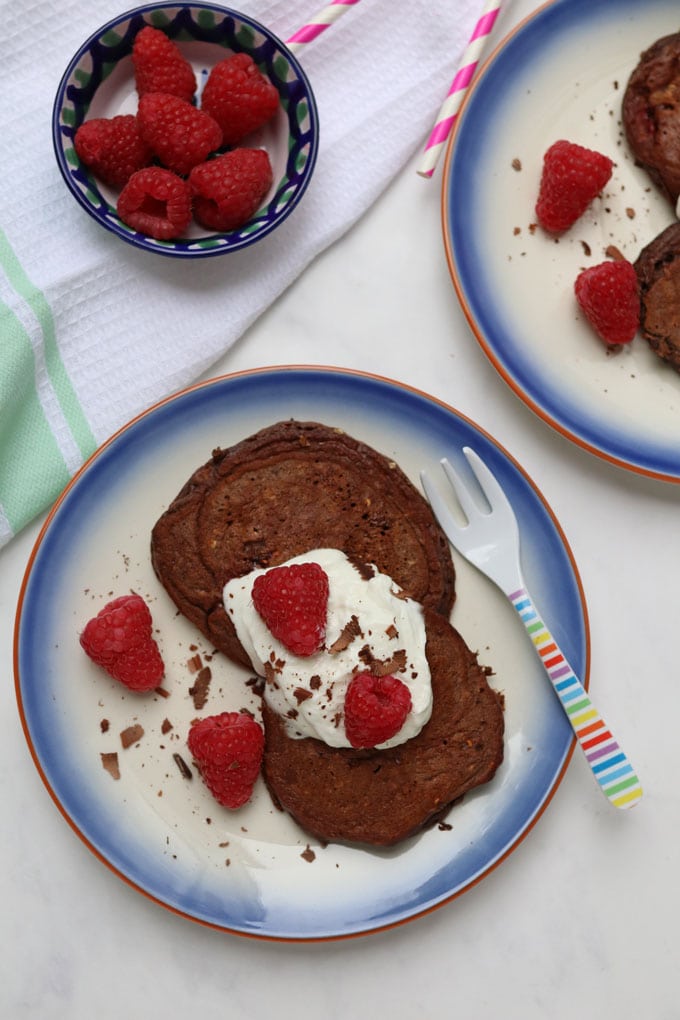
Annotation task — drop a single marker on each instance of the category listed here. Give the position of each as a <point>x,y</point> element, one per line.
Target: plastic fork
<point>490,541</point>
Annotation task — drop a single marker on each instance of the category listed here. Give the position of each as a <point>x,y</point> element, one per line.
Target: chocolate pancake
<point>290,488</point>
<point>658,271</point>
<point>651,114</point>
<point>382,797</point>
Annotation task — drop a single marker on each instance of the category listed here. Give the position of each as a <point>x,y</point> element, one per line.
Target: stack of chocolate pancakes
<point>298,486</point>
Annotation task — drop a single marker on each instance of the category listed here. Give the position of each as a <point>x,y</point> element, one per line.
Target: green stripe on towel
<point>32,468</point>
<point>35,299</point>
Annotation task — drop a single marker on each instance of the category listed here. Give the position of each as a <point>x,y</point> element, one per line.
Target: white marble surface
<point>582,918</point>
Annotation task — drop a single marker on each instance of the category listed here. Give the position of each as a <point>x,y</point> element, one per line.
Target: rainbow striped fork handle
<point>608,761</point>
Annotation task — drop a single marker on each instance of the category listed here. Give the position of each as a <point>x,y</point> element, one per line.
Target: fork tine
<point>488,482</point>
<point>440,509</point>
<point>490,487</point>
<point>467,501</point>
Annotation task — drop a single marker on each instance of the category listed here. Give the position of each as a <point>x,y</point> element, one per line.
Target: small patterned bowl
<point>99,82</point>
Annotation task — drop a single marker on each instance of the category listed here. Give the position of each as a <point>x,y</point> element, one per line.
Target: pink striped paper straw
<point>451,105</point>
<point>319,23</point>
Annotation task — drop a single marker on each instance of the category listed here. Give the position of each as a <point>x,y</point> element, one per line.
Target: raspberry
<point>119,639</point>
<point>375,709</point>
<point>293,602</point>
<point>228,750</point>
<point>610,299</point>
<point>180,135</point>
<point>112,148</point>
<point>160,66</point>
<point>572,177</point>
<point>227,190</point>
<point>156,202</point>
<point>239,97</point>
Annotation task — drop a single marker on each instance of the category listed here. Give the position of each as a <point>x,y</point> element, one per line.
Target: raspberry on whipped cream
<point>371,627</point>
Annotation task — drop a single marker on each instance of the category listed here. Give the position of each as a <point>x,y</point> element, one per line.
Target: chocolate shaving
<point>110,764</point>
<point>365,570</point>
<point>194,663</point>
<point>182,766</point>
<point>308,854</point>
<point>301,694</point>
<point>383,667</point>
<point>270,675</point>
<point>199,689</point>
<point>166,726</point>
<point>349,632</point>
<point>257,684</point>
<point>104,725</point>
<point>131,735</point>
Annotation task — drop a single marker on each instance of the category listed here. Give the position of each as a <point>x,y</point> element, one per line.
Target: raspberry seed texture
<point>609,297</point>
<point>572,176</point>
<point>156,202</point>
<point>228,749</point>
<point>229,189</point>
<point>293,600</point>
<point>375,709</point>
<point>239,97</point>
<point>180,135</point>
<point>159,65</point>
<point>112,149</point>
<point>120,640</point>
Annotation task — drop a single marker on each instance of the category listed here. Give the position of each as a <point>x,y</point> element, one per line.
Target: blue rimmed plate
<point>560,74</point>
<point>99,82</point>
<point>254,872</point>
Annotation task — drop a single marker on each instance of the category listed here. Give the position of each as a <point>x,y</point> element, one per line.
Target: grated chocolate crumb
<point>182,766</point>
<point>110,764</point>
<point>200,687</point>
<point>131,735</point>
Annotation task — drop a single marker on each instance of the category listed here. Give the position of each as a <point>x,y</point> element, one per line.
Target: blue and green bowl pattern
<point>231,31</point>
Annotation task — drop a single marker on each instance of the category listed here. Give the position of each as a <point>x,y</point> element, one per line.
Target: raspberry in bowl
<point>216,81</point>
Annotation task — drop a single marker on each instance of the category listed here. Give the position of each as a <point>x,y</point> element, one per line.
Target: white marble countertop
<point>581,919</point>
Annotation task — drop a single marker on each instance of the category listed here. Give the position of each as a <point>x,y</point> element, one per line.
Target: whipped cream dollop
<point>371,627</point>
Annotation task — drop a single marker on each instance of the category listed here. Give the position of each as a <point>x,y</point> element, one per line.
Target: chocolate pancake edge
<point>651,114</point>
<point>290,488</point>
<point>658,271</point>
<point>380,798</point>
